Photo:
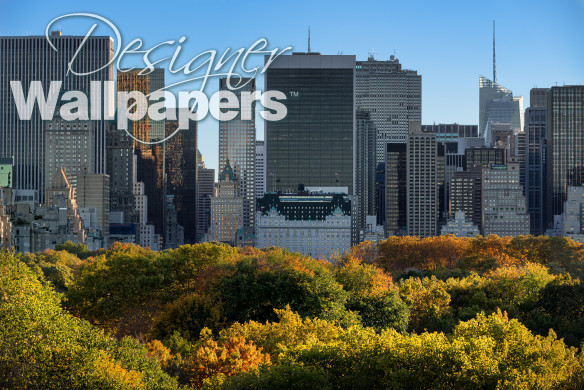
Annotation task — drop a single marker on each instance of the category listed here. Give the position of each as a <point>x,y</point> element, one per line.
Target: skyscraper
<point>120,168</point>
<point>313,144</point>
<point>237,139</point>
<point>93,192</point>
<point>536,170</point>
<point>31,58</point>
<point>226,208</point>
<point>365,165</point>
<point>260,169</point>
<point>565,144</point>
<point>180,155</point>
<point>149,162</point>
<point>393,96</point>
<point>466,194</point>
<point>69,145</point>
<point>395,189</point>
<point>422,182</point>
<point>205,191</point>
<point>497,105</point>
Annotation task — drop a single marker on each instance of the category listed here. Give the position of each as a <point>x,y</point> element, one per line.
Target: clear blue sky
<point>539,43</point>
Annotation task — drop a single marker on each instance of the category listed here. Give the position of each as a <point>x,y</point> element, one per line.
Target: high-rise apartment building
<point>466,194</point>
<point>237,145</point>
<point>504,206</point>
<point>31,58</point>
<point>260,169</point>
<point>313,144</point>
<point>422,182</point>
<point>535,159</point>
<point>565,140</point>
<point>393,96</point>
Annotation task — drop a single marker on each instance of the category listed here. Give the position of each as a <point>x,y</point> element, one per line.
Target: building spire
<point>309,38</point>
<point>494,56</point>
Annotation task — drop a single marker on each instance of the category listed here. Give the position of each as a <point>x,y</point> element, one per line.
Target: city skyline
<point>450,45</point>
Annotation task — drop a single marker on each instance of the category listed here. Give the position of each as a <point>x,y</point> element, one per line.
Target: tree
<point>42,346</point>
<point>372,294</point>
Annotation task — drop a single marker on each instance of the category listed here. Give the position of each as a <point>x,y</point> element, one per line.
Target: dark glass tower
<point>565,144</point>
<point>535,162</point>
<point>181,176</point>
<point>313,145</point>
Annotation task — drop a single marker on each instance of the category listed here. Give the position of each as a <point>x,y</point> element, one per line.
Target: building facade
<point>484,157</point>
<point>535,160</point>
<point>393,96</point>
<point>181,172</point>
<point>396,219</point>
<point>497,105</point>
<point>565,140</point>
<point>120,168</point>
<point>504,206</point>
<point>422,182</point>
<point>260,169</point>
<point>237,145</point>
<point>205,191</point>
<point>226,208</point>
<point>31,58</point>
<point>93,191</point>
<point>313,144</point>
<point>365,164</point>
<point>466,194</point>
<point>460,226</point>
<point>315,224</point>
<point>149,164</point>
<point>68,145</point>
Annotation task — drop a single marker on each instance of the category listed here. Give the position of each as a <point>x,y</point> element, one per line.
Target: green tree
<point>44,347</point>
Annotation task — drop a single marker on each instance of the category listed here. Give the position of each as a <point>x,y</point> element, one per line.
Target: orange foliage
<point>398,254</point>
<point>231,357</point>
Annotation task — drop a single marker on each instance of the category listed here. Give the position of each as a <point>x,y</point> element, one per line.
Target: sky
<point>539,43</point>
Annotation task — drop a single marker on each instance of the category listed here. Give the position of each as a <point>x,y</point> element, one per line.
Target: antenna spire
<point>309,38</point>
<point>494,56</point>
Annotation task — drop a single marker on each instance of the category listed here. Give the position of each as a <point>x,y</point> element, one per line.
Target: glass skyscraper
<point>150,158</point>
<point>535,162</point>
<point>497,105</point>
<point>237,139</point>
<point>313,144</point>
<point>565,144</point>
